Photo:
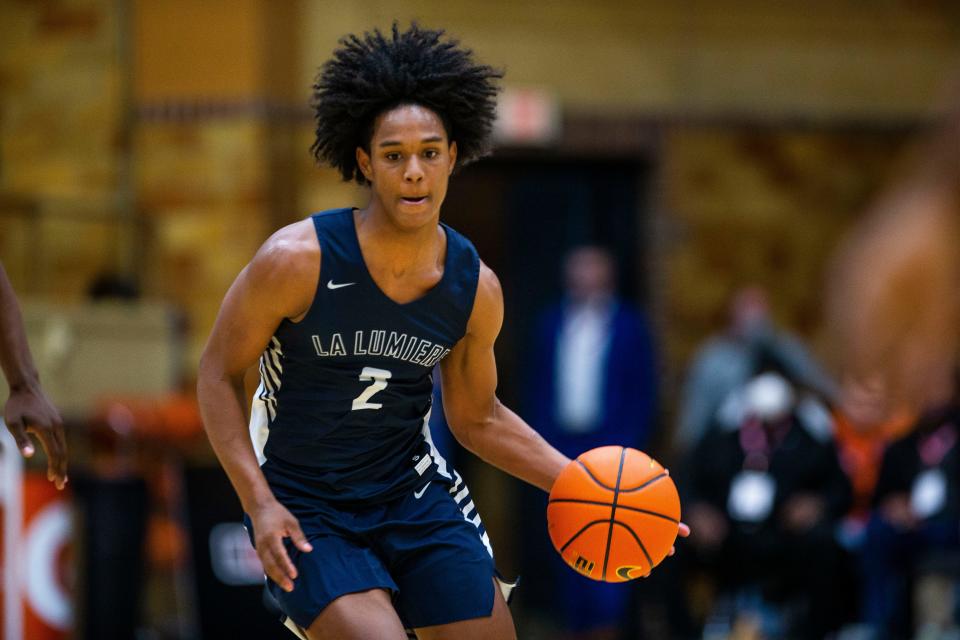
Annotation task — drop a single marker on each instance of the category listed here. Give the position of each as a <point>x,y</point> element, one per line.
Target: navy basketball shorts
<point>428,548</point>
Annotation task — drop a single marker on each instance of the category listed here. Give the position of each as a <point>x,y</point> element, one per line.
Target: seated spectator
<point>916,513</point>
<point>726,361</point>
<point>865,425</point>
<point>767,495</point>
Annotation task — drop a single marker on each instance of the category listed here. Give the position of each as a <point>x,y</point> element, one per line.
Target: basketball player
<point>28,410</point>
<point>361,526</point>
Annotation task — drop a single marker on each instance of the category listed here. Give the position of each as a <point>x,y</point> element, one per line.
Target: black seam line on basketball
<point>645,484</point>
<point>577,534</point>
<point>613,513</point>
<point>619,506</point>
<point>593,477</point>
<point>639,542</point>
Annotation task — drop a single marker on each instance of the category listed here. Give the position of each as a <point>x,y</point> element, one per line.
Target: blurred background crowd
<point>689,206</point>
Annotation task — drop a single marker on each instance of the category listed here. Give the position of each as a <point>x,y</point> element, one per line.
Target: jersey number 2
<point>379,378</point>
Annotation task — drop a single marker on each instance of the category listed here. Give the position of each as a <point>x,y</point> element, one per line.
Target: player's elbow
<point>211,371</point>
<point>209,368</point>
<point>471,427</point>
<point>467,434</point>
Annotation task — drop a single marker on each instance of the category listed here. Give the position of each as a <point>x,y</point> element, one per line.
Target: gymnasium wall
<point>745,205</point>
<point>165,140</point>
<point>821,59</point>
<point>60,157</point>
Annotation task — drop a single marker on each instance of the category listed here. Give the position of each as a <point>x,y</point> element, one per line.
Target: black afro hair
<point>372,74</point>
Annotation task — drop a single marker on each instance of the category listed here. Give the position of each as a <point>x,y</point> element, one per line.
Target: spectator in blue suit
<point>596,357</point>
<point>593,383</point>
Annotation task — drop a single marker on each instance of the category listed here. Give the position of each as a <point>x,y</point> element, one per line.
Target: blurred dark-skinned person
<point>893,303</point>
<point>765,497</point>
<point>595,386</point>
<point>28,410</point>
<point>915,526</point>
<point>728,359</point>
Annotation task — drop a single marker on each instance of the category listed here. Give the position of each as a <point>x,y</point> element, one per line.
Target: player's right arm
<point>278,283</point>
<point>27,409</point>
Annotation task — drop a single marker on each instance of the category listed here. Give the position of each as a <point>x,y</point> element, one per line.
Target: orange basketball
<point>613,514</point>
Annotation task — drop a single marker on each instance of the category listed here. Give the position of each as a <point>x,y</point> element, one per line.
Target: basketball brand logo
<point>624,572</point>
<point>583,565</point>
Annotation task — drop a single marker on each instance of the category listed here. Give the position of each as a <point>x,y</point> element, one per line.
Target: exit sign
<point>527,116</point>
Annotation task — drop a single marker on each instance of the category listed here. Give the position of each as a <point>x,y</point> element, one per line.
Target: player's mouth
<point>411,200</point>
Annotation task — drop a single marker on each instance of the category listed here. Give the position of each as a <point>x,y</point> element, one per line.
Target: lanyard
<point>934,447</point>
<point>758,442</point>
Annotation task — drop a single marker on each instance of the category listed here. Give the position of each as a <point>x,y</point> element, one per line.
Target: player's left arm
<point>477,418</point>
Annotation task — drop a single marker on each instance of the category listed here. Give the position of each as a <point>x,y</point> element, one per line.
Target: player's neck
<point>390,244</point>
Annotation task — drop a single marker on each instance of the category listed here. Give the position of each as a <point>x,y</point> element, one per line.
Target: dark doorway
<point>524,215</point>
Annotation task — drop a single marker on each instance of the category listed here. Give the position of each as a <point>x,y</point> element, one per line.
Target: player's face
<point>409,164</point>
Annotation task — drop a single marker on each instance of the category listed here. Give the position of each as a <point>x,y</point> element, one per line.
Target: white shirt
<point>580,376</point>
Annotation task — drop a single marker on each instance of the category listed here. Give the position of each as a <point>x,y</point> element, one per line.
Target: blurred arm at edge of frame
<point>28,410</point>
<point>893,303</point>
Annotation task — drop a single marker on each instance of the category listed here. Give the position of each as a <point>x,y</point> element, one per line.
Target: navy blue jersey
<point>345,393</point>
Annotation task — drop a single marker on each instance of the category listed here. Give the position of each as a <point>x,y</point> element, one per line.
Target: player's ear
<point>453,156</point>
<point>363,162</point>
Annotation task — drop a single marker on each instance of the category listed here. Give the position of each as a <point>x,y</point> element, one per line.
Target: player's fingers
<point>277,565</point>
<point>282,561</point>
<point>51,446</point>
<point>683,531</point>
<point>297,537</point>
<point>271,571</point>
<point>20,436</point>
<point>60,466</point>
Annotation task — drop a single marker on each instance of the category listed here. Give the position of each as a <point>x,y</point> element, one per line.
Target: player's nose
<point>413,172</point>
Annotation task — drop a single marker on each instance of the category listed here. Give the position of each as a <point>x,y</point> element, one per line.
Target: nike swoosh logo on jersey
<point>331,285</point>
<point>417,494</point>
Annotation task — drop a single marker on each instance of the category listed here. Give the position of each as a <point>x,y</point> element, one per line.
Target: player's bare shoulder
<point>487,315</point>
<point>287,266</point>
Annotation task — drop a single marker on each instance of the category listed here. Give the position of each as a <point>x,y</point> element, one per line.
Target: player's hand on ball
<point>683,531</point>
<point>271,524</point>
<point>614,513</point>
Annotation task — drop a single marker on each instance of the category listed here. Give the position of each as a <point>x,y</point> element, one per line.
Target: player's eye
<point>392,156</point>
<point>431,153</point>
